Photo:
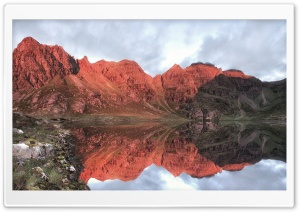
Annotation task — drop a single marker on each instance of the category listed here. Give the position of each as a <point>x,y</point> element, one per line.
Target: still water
<point>165,156</point>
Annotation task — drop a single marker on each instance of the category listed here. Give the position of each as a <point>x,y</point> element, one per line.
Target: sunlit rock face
<point>182,84</point>
<point>34,64</point>
<point>49,81</point>
<point>24,151</point>
<point>123,152</point>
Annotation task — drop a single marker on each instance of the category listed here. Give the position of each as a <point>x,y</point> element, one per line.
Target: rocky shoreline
<point>43,156</point>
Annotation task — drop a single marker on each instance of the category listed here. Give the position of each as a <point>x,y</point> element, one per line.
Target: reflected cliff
<point>196,150</point>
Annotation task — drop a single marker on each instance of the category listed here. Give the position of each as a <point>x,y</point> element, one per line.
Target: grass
<point>17,138</point>
<point>24,178</point>
<point>55,177</point>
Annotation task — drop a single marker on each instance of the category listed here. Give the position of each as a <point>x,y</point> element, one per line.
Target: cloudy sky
<point>257,47</point>
<point>265,175</point>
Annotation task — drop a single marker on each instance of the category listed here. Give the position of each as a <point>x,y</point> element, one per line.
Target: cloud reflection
<point>265,175</point>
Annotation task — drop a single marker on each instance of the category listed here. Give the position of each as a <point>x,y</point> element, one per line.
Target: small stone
<point>17,131</point>
<point>38,122</point>
<point>59,170</point>
<point>47,165</point>
<point>65,181</point>
<point>73,176</point>
<point>63,161</point>
<point>71,168</point>
<point>37,170</point>
<point>21,163</point>
<point>45,177</point>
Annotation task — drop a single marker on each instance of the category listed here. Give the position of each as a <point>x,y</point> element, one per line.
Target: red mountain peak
<point>176,66</point>
<point>129,66</point>
<point>85,59</point>
<point>84,64</point>
<point>28,43</point>
<point>128,63</point>
<point>235,73</point>
<point>41,65</point>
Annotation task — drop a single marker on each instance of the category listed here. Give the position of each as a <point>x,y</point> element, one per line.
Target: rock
<point>73,176</point>
<point>182,84</point>
<point>34,64</point>
<point>21,163</point>
<point>21,151</point>
<point>63,161</point>
<point>17,131</point>
<point>39,171</point>
<point>47,165</point>
<point>59,170</point>
<point>71,168</point>
<point>48,81</point>
<point>65,181</point>
<point>24,151</point>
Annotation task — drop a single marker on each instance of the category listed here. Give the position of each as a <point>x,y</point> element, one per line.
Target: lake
<point>168,156</point>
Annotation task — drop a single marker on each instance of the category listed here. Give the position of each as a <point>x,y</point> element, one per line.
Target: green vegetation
<point>48,172</point>
<point>31,142</point>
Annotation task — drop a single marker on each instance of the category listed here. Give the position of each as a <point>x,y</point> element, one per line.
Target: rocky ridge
<point>48,81</point>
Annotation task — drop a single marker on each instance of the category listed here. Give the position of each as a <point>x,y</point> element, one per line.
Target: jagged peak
<point>174,69</point>
<point>176,66</point>
<point>27,43</point>
<point>29,40</point>
<point>85,59</point>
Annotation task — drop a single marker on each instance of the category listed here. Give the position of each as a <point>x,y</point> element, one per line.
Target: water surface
<point>164,156</point>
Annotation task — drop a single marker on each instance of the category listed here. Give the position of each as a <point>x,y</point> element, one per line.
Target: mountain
<point>234,94</point>
<point>182,84</point>
<point>47,81</point>
<point>34,65</point>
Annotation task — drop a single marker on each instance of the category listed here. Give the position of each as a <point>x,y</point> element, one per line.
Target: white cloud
<point>265,175</point>
<point>256,47</point>
<point>173,183</point>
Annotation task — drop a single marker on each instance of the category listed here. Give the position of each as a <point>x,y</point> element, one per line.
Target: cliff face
<point>34,64</point>
<point>48,81</point>
<point>234,94</point>
<point>182,84</point>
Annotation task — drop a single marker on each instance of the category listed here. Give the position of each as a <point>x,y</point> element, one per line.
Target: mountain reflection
<point>196,149</point>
